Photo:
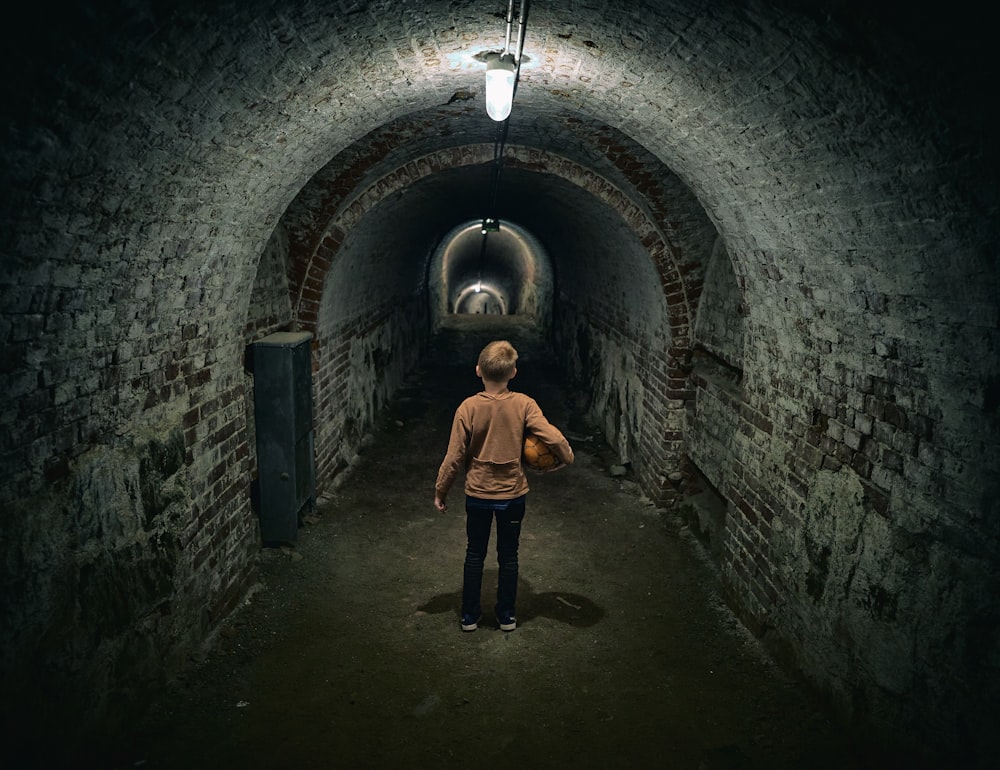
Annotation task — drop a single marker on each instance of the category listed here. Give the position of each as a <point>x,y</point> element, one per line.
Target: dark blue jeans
<point>479,515</point>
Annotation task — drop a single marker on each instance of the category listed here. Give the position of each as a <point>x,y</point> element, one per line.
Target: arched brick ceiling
<point>158,146</point>
<point>589,154</point>
<point>443,189</point>
<point>256,97</point>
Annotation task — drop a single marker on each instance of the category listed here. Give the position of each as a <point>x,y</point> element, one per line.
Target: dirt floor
<point>349,654</point>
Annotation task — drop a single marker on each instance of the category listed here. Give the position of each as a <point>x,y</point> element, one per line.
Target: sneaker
<point>470,622</point>
<point>507,622</point>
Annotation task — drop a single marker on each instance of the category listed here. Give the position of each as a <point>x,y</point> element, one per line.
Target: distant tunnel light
<point>499,86</point>
<point>480,297</point>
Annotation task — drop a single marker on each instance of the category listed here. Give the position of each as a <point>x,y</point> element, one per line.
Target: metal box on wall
<point>282,372</point>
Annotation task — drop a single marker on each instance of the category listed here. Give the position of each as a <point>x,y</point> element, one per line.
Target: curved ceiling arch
<point>742,117</point>
<point>308,269</point>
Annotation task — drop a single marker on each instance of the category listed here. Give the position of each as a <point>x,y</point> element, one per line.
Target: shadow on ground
<point>562,607</point>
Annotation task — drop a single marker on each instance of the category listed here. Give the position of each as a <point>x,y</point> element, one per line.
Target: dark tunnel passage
<point>505,272</point>
<point>757,242</point>
<point>565,250</point>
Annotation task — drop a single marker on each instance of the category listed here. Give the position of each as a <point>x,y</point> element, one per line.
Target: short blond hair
<point>497,361</point>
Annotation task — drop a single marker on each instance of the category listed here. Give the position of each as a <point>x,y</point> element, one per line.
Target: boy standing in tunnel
<point>487,435</point>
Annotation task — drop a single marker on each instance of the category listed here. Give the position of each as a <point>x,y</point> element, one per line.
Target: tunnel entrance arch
<point>507,272</point>
<point>311,251</point>
<point>582,314</point>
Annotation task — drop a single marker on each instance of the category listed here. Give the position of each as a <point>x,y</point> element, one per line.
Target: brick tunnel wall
<point>632,354</point>
<point>713,416</point>
<point>150,159</point>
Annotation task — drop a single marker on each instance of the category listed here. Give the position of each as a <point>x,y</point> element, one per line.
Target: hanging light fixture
<point>502,72</point>
<point>502,69</point>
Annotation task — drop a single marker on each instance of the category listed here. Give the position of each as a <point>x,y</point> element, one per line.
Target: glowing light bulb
<point>499,86</point>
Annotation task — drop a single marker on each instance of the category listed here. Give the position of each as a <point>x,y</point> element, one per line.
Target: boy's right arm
<point>454,461</point>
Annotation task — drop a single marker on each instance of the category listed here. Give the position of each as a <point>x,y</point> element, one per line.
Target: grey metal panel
<point>282,370</point>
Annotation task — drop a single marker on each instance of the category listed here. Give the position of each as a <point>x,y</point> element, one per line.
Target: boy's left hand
<point>440,504</point>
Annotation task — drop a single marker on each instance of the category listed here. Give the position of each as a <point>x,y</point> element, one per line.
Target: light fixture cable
<point>510,21</point>
<point>490,222</point>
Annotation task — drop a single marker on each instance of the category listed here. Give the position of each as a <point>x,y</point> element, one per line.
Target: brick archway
<point>310,259</point>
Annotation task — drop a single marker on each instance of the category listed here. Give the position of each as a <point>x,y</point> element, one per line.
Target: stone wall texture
<point>772,229</point>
